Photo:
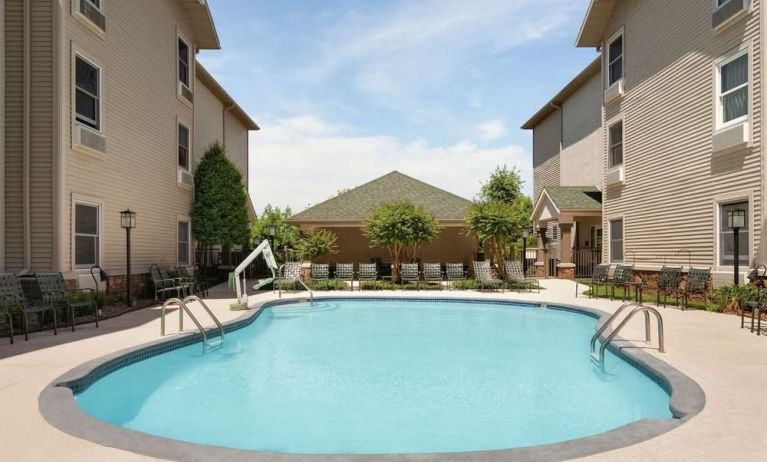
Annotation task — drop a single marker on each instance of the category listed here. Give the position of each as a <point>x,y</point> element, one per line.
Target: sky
<point>346,91</point>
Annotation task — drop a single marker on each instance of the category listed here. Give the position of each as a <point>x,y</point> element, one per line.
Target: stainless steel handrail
<point>195,298</point>
<point>604,326</point>
<point>182,308</point>
<point>642,309</point>
<point>299,280</point>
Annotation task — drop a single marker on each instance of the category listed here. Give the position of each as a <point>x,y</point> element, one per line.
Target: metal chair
<point>408,272</point>
<point>515,276</point>
<point>484,276</point>
<point>454,272</point>
<point>289,275</point>
<point>163,285</point>
<point>696,283</point>
<point>368,272</point>
<point>622,278</point>
<point>25,295</point>
<point>432,272</point>
<point>668,281</point>
<point>345,272</point>
<point>320,271</point>
<point>55,291</point>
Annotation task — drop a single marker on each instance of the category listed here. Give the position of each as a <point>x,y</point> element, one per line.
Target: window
<point>183,147</point>
<point>183,243</point>
<point>183,62</point>
<point>615,60</point>
<point>596,237</point>
<point>721,2</point>
<point>726,238</point>
<point>733,90</point>
<point>86,235</point>
<point>87,93</point>
<point>616,240</point>
<point>96,3</point>
<point>615,150</point>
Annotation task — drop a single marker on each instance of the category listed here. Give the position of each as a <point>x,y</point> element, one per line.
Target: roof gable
<point>357,203</point>
<point>594,24</point>
<point>575,197</point>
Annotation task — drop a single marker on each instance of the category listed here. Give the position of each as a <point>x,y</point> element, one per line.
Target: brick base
<point>141,285</point>
<point>650,279</point>
<point>565,271</point>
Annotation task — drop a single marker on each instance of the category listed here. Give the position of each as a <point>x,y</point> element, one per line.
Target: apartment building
<point>100,113</point>
<point>567,176</point>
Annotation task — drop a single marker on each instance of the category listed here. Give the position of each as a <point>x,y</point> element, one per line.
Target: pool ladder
<point>206,344</point>
<point>599,358</point>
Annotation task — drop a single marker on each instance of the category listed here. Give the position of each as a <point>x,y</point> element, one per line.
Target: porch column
<point>566,268</point>
<point>542,257</point>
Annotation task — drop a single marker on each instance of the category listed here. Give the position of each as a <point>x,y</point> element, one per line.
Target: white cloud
<point>491,130</point>
<point>305,160</point>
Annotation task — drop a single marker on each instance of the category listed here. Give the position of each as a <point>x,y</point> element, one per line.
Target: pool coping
<point>59,408</point>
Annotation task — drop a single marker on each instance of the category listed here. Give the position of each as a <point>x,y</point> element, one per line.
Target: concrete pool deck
<point>730,365</point>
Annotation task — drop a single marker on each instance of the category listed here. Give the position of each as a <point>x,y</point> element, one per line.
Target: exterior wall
<point>452,245</point>
<point>546,148</point>
<point>581,158</point>
<point>236,142</point>
<point>672,178</point>
<point>41,143</point>
<point>141,110</point>
<point>208,121</point>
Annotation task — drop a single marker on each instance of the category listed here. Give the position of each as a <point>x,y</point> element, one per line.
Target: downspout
<point>27,135</point>
<point>2,137</point>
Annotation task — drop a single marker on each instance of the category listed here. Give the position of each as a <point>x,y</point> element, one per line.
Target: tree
<point>317,244</point>
<point>499,215</point>
<point>503,185</point>
<point>401,227</point>
<point>219,213</point>
<point>285,234</point>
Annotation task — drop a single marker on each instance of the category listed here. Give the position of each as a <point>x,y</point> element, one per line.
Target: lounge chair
<point>598,278</point>
<point>432,272</point>
<point>515,276</point>
<point>162,285</point>
<point>484,276</point>
<point>290,274</point>
<point>368,272</point>
<point>454,272</point>
<point>697,283</point>
<point>408,272</point>
<point>345,272</point>
<point>24,294</point>
<point>55,291</point>
<point>668,281</point>
<point>622,278</point>
<point>7,302</point>
<point>199,284</point>
<point>320,272</point>
<point>185,283</point>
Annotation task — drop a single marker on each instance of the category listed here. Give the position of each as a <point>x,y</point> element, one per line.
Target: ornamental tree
<point>219,212</point>
<point>286,235</point>
<point>402,228</point>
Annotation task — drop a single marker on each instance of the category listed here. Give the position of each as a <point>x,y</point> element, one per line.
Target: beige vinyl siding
<point>581,158</point>
<point>236,136</point>
<point>141,111</point>
<point>208,120</point>
<point>41,141</point>
<point>671,175</point>
<point>546,174</point>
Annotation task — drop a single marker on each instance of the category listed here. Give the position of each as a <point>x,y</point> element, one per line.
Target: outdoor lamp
<point>127,222</point>
<point>272,230</point>
<point>736,219</point>
<point>525,233</point>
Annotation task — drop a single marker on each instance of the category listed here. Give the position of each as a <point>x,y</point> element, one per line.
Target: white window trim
<point>621,218</point>
<point>612,38</point>
<point>719,200</point>
<point>188,147</point>
<point>101,6</point>
<point>610,165</point>
<point>188,221</point>
<point>73,100</point>
<point>94,202</point>
<point>190,64</point>
<point>719,123</point>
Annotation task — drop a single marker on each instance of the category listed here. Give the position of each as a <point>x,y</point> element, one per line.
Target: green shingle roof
<point>357,203</point>
<point>575,197</point>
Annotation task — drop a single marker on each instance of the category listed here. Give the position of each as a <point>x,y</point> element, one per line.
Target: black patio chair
<point>163,285</point>
<point>55,291</point>
<point>622,278</point>
<point>668,281</point>
<point>24,294</point>
<point>697,283</point>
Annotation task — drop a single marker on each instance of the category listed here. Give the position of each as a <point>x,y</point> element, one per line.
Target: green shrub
<point>464,284</point>
<point>326,284</point>
<point>732,298</point>
<point>317,244</point>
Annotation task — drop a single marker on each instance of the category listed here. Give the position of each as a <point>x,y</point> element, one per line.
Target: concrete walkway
<point>730,364</point>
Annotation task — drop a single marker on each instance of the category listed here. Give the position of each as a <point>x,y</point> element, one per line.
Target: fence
<point>585,261</point>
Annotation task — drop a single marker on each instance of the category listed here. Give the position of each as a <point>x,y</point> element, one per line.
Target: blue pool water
<point>383,377</point>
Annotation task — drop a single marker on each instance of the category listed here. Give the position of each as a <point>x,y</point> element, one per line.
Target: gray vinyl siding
<point>141,111</point>
<point>546,174</point>
<point>671,175</point>
<point>41,142</point>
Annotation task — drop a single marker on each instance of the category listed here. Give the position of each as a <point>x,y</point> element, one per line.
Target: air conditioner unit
<point>88,10</point>
<point>89,139</point>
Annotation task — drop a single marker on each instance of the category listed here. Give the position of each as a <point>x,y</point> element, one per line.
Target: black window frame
<point>82,92</point>
<point>184,68</point>
<point>183,150</point>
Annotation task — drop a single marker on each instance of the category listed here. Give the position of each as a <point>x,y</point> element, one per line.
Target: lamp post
<point>525,235</point>
<point>272,231</point>
<point>736,219</point>
<point>128,222</point>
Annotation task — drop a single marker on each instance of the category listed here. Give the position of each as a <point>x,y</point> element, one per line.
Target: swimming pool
<point>367,376</point>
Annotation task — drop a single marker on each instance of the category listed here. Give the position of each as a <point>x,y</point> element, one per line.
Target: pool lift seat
<point>598,358</point>
<point>183,307</point>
